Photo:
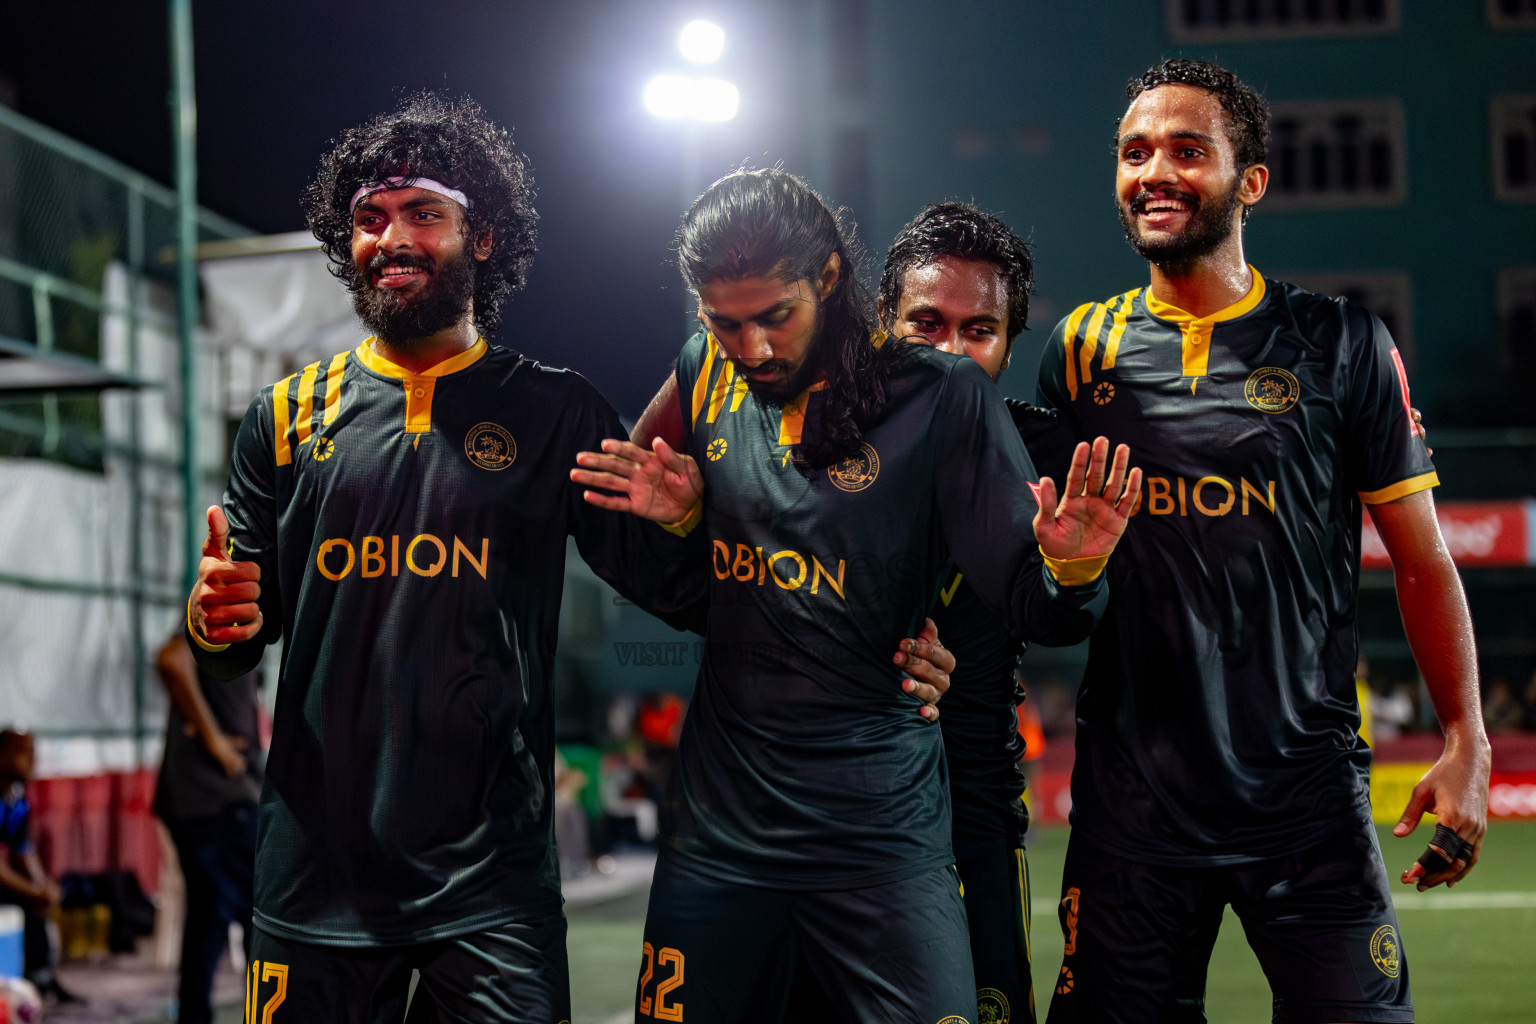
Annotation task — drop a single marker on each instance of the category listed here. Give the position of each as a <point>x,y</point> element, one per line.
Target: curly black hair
<point>449,140</point>
<point>962,231</point>
<point>770,223</point>
<point>1247,111</point>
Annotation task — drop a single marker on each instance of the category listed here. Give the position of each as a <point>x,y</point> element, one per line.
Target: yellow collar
<point>1165,311</point>
<point>378,364</point>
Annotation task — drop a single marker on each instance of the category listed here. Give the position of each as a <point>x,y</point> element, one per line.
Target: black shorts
<point>511,973</point>
<point>996,889</point>
<point>996,884</point>
<point>1138,937</point>
<point>720,953</point>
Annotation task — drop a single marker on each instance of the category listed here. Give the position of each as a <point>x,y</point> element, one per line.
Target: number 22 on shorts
<point>655,963</point>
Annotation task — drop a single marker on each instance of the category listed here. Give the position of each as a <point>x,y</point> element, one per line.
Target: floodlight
<point>715,100</point>
<point>701,41</point>
<point>699,99</point>
<point>668,96</point>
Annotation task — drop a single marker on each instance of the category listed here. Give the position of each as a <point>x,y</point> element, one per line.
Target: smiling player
<point>398,515</point>
<point>1218,758</point>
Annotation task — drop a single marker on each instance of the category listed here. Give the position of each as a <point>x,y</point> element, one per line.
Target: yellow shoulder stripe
<point>701,382</point>
<point>1069,342</point>
<point>1122,313</point>
<point>303,419</point>
<point>333,388</point>
<point>280,421</point>
<point>1091,342</point>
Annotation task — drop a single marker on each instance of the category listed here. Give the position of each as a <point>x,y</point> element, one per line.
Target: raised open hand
<point>1093,510</point>
<point>659,484</point>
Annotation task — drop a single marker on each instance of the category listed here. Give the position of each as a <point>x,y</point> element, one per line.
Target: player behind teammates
<point>397,514</point>
<point>957,279</point>
<point>1217,755</point>
<point>808,811</point>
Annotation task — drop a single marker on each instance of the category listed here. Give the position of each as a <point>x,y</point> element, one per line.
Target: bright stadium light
<point>701,41</point>
<point>715,100</point>
<point>668,96</point>
<point>676,97</point>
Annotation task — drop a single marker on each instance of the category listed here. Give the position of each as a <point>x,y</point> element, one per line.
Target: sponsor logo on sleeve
<point>716,449</point>
<point>323,449</point>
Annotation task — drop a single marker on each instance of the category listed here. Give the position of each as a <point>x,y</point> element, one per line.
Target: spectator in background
<point>1528,701</point>
<point>210,779</point>
<point>1501,709</point>
<point>571,836</point>
<point>23,880</point>
<point>659,722</point>
<point>1393,711</point>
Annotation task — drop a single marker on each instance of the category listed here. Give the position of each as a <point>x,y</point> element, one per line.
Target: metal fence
<point>87,251</point>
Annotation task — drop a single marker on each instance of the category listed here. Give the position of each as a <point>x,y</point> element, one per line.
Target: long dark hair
<point>769,223</point>
<point>448,140</point>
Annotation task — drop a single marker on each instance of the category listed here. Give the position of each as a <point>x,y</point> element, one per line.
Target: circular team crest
<point>1271,389</point>
<point>991,1007</point>
<point>1385,953</point>
<point>324,449</point>
<point>856,472</point>
<point>954,1020</point>
<point>1104,393</point>
<point>489,446</point>
<point>716,449</point>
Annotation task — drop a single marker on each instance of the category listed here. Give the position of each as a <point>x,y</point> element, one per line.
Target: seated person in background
<point>23,881</point>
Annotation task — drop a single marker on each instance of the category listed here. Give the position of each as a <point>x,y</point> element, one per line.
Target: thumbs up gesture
<point>223,608</point>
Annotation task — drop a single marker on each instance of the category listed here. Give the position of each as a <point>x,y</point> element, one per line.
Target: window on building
<point>1218,20</point>
<point>1515,14</point>
<point>1517,331</point>
<point>1513,120</point>
<point>1339,154</point>
<point>1387,293</point>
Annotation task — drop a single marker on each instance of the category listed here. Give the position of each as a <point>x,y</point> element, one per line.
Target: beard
<point>787,388</point>
<point>403,322</point>
<point>1209,225</point>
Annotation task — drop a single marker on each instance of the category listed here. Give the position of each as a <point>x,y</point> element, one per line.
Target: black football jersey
<point>1217,721</point>
<point>802,764</point>
<point>411,532</point>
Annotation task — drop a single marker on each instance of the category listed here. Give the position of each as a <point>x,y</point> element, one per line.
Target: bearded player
<point>958,280</point>
<point>398,515</point>
<point>809,814</point>
<point>1218,759</point>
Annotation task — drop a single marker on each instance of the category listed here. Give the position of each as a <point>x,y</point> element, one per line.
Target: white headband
<point>402,182</point>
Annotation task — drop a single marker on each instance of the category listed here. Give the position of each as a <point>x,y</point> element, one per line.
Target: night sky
<point>277,80</point>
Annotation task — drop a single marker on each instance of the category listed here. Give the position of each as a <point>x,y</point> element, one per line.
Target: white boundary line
<point>1401,902</point>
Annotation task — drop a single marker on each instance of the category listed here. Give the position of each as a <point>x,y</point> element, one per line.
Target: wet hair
<point>448,140</point>
<point>961,231</point>
<point>769,223</point>
<point>1247,112</point>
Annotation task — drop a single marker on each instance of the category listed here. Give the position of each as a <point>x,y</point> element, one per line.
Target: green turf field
<point>1471,951</point>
